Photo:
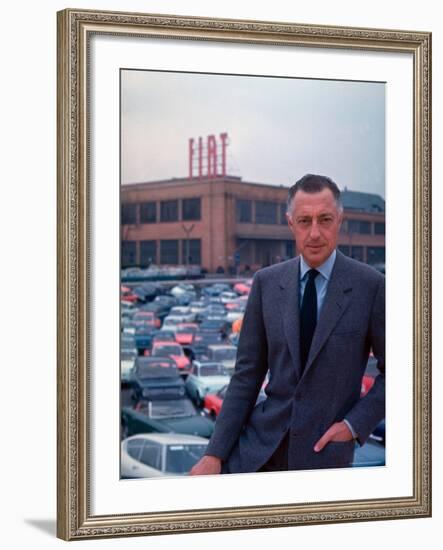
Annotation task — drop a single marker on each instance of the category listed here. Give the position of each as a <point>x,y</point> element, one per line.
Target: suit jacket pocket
<point>340,452</point>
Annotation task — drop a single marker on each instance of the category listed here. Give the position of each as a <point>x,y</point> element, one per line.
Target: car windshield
<point>181,458</point>
<point>168,408</point>
<point>223,353</point>
<point>168,350</point>
<point>212,369</point>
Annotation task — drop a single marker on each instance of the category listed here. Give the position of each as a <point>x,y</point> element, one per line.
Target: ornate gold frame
<point>74,519</point>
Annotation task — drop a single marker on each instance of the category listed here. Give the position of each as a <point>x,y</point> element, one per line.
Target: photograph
<point>234,189</point>
<point>243,239</point>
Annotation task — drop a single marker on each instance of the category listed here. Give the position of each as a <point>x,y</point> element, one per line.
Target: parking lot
<point>178,348</point>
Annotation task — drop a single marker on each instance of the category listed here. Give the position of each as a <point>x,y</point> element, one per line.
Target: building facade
<point>225,224</point>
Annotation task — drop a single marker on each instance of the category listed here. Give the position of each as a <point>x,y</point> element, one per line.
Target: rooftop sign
<point>207,159</point>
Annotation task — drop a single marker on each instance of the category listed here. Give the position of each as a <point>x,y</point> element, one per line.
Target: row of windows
<point>166,251</point>
<point>266,212</point>
<point>164,211</point>
<point>371,254</point>
<point>363,227</point>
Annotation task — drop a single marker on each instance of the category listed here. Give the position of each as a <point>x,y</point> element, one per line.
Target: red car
<point>174,351</point>
<point>242,288</point>
<point>366,384</point>
<point>127,295</point>
<point>185,333</point>
<point>148,318</point>
<point>213,402</point>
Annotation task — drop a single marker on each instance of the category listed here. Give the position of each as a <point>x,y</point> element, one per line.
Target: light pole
<point>188,231</point>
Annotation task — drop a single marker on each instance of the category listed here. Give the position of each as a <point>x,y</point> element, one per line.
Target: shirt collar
<point>325,269</point>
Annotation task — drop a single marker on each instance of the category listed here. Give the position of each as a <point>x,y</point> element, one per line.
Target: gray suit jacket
<point>352,322</point>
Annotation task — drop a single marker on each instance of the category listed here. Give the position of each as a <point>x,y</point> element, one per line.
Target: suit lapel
<point>337,299</point>
<point>290,308</point>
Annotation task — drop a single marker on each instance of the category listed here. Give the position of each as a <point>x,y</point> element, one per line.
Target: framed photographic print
<point>178,141</point>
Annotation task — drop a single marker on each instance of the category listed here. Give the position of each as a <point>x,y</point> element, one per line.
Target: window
<point>148,253</point>
<point>191,209</point>
<point>376,255</point>
<point>244,211</point>
<point>129,253</point>
<point>129,214</point>
<point>169,251</point>
<point>359,226</point>
<point>344,249</point>
<point>151,455</point>
<point>357,253</point>
<point>290,249</point>
<point>169,211</point>
<point>148,212</point>
<point>134,446</point>
<point>191,251</point>
<point>265,212</point>
<point>379,228</point>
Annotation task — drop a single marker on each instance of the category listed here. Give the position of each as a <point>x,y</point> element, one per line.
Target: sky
<point>279,128</point>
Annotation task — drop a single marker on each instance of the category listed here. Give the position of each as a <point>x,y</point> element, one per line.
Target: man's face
<point>315,222</point>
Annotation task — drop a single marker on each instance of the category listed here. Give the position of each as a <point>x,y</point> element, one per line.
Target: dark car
<point>165,416</point>
<point>204,339</point>
<point>143,338</point>
<point>156,377</point>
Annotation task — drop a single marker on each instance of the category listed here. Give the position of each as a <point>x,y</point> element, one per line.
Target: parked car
<point>165,415</point>
<point>155,377</point>
<point>127,295</point>
<point>162,336</point>
<point>204,339</point>
<point>174,351</point>
<point>205,377</point>
<point>213,401</point>
<point>223,353</point>
<point>127,363</point>
<point>242,288</point>
<point>371,453</point>
<point>143,338</point>
<point>184,335</point>
<point>148,318</point>
<point>366,384</point>
<point>171,322</point>
<point>184,312</point>
<point>165,454</point>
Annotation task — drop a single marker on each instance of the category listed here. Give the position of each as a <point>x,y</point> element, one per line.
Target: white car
<point>205,377</point>
<point>183,311</point>
<point>223,353</point>
<point>127,362</point>
<point>181,289</point>
<point>161,454</point>
<point>171,322</point>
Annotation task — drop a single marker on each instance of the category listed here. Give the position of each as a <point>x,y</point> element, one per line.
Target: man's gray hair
<point>313,183</point>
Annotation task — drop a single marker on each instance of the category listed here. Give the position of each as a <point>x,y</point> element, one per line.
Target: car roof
<point>171,438</point>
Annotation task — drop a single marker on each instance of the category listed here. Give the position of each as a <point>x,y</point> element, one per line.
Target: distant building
<point>226,224</point>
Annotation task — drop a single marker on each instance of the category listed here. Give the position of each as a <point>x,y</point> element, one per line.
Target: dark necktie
<point>308,316</point>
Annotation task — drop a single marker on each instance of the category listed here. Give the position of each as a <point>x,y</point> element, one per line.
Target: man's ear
<point>289,220</point>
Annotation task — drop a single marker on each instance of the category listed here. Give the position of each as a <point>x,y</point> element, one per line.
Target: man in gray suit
<point>310,324</point>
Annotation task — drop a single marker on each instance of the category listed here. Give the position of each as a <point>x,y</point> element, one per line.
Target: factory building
<point>225,224</point>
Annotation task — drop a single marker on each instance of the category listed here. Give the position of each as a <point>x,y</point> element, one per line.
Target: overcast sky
<point>279,128</point>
